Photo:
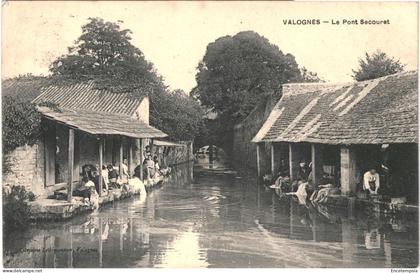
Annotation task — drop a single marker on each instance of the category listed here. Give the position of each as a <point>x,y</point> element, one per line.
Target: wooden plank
<point>273,160</point>
<point>130,156</point>
<point>121,155</point>
<point>70,165</point>
<point>101,145</point>
<point>258,161</point>
<point>141,158</point>
<point>49,150</point>
<point>293,161</point>
<point>316,156</point>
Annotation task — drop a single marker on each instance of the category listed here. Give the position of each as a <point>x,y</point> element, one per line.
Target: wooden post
<point>70,165</point>
<point>100,165</point>
<point>100,243</point>
<point>130,157</point>
<point>49,150</point>
<point>273,163</point>
<point>348,170</point>
<point>275,158</point>
<point>316,158</point>
<point>121,156</point>
<point>141,158</point>
<point>293,161</point>
<point>258,160</point>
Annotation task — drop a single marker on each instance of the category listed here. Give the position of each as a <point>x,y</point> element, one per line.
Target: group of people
<point>114,177</point>
<point>282,182</point>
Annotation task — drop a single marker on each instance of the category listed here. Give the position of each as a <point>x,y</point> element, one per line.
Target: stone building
<point>346,129</point>
<point>81,125</point>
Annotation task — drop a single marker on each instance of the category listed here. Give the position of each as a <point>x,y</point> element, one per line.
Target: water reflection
<point>218,220</point>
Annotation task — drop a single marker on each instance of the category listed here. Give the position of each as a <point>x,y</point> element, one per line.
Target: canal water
<point>215,217</point>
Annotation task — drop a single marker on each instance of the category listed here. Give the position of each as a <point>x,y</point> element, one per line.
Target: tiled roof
<point>382,110</point>
<point>101,123</point>
<point>24,88</point>
<point>85,96</point>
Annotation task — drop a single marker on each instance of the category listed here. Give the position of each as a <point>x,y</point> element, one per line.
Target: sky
<point>174,35</point>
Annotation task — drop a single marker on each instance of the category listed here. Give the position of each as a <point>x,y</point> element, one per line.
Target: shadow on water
<point>215,217</point>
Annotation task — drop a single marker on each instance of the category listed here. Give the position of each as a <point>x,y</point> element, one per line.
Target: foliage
<point>176,113</point>
<point>105,54</point>
<point>237,71</point>
<point>376,65</point>
<point>16,211</point>
<point>21,125</point>
<point>309,76</point>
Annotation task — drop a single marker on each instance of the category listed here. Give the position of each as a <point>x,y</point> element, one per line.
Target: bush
<point>21,125</point>
<point>16,209</point>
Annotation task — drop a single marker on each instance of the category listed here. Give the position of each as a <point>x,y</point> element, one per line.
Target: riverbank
<point>44,210</point>
<point>375,204</point>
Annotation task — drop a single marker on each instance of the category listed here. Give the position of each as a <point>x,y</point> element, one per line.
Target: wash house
<point>344,130</point>
<point>83,125</point>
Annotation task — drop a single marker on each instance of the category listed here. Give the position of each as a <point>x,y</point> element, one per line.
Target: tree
<point>236,73</point>
<point>177,113</point>
<point>104,53</point>
<point>376,65</point>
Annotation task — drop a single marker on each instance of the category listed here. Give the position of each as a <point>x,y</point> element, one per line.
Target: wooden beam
<point>141,158</point>
<point>273,160</point>
<point>317,162</point>
<point>121,156</point>
<point>348,170</point>
<point>100,243</point>
<point>70,165</point>
<point>293,161</point>
<point>258,161</point>
<point>100,165</point>
<point>130,156</point>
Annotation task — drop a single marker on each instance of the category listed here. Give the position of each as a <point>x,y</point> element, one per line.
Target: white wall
<point>142,112</point>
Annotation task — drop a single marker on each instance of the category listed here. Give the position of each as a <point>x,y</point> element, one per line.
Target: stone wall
<point>27,168</point>
<point>173,155</point>
<point>244,151</point>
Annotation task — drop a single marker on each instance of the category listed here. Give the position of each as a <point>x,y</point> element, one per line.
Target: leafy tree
<point>104,53</point>
<point>21,125</point>
<point>178,114</point>
<point>376,65</point>
<point>236,73</point>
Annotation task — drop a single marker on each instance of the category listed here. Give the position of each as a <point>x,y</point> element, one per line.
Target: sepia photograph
<point>209,134</point>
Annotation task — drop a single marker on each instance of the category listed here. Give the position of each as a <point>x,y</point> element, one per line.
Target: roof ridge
<point>291,88</point>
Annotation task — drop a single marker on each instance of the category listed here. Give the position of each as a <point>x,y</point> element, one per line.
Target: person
<point>124,174</point>
<point>96,182</point>
<point>150,165</point>
<point>371,181</point>
<point>112,176</point>
<point>302,175</point>
<point>147,152</point>
<point>157,167</point>
<point>137,171</point>
<point>105,178</point>
<point>283,168</point>
<point>304,171</point>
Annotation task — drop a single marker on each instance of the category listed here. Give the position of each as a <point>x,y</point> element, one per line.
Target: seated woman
<point>96,182</point>
<point>157,167</point>
<point>112,177</point>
